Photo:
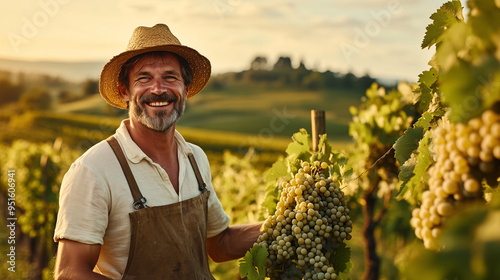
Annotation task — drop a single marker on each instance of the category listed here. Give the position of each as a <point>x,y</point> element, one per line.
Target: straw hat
<point>148,39</point>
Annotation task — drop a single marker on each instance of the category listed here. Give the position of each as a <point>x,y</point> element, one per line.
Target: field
<point>257,110</point>
<point>282,112</point>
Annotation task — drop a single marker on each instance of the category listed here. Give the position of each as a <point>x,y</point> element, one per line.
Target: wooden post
<point>318,127</point>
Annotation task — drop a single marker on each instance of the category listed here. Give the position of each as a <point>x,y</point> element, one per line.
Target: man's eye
<point>171,78</point>
<point>143,79</point>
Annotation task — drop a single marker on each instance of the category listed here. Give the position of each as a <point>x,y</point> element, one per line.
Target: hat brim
<point>108,82</point>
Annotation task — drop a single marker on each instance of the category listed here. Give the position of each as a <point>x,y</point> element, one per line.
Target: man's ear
<point>124,94</point>
<point>186,92</point>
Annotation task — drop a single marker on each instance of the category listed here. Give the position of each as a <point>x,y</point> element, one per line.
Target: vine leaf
<point>426,81</point>
<point>340,255</point>
<point>405,174</point>
<point>324,148</point>
<point>301,145</point>
<point>253,264</point>
<point>276,171</point>
<point>447,15</point>
<point>269,203</point>
<point>407,143</point>
<point>425,120</point>
<point>429,77</point>
<point>418,171</point>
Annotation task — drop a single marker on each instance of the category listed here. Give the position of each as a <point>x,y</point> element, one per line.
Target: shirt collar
<point>134,152</point>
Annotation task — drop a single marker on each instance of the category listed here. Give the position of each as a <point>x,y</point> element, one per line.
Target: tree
<point>259,63</point>
<point>90,87</point>
<point>349,80</point>
<point>366,81</point>
<point>284,63</point>
<point>37,98</point>
<point>9,92</point>
<point>313,81</point>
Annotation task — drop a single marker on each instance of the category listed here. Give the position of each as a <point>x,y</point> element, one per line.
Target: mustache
<point>158,98</point>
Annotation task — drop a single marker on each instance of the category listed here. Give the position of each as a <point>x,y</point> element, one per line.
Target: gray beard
<point>161,122</point>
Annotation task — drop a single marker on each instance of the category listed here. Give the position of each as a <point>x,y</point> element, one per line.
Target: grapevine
<point>465,155</point>
<point>451,156</point>
<point>311,212</point>
<point>377,123</point>
<point>304,237</point>
<point>39,170</point>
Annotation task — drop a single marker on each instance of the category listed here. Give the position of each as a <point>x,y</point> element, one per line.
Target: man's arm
<point>76,260</point>
<point>233,242</point>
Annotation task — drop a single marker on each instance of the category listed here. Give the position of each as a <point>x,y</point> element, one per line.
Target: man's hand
<point>233,242</point>
<point>76,260</point>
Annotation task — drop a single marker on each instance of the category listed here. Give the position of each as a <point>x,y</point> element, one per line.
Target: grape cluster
<point>310,215</point>
<point>465,155</point>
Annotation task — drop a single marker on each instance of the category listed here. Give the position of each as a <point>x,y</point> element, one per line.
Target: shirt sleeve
<point>83,206</point>
<point>217,220</point>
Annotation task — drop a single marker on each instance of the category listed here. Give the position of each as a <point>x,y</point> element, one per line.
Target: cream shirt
<point>95,198</point>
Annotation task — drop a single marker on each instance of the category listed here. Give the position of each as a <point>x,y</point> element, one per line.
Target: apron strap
<point>197,173</point>
<point>139,200</point>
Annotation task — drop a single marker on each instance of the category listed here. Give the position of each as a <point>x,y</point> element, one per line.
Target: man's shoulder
<point>94,168</point>
<point>197,150</point>
<point>97,155</point>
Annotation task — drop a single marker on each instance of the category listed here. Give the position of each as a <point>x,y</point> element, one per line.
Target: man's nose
<point>158,87</point>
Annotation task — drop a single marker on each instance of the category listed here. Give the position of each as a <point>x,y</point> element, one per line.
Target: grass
<point>271,111</point>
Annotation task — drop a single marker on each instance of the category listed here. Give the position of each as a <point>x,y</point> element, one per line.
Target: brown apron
<point>167,242</point>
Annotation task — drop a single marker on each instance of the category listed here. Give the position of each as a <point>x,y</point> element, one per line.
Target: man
<point>141,205</point>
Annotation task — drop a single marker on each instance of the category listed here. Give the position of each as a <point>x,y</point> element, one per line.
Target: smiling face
<point>156,92</point>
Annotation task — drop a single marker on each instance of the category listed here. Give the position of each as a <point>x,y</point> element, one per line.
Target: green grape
<point>311,212</point>
<point>465,154</point>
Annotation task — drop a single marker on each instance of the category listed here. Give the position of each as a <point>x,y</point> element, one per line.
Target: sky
<point>377,37</point>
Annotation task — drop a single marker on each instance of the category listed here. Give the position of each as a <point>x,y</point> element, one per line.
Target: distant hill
<point>75,71</point>
<point>79,71</point>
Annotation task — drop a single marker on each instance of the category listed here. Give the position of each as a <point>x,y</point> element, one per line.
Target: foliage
<point>461,85</point>
<point>472,248</point>
<point>462,81</point>
<point>298,152</point>
<point>429,100</point>
<point>36,98</point>
<point>378,122</point>
<point>300,149</point>
<point>253,265</point>
<point>447,15</point>
<point>283,74</point>
<point>469,62</point>
<point>9,91</point>
<point>239,184</point>
<point>38,171</point>
<point>90,87</point>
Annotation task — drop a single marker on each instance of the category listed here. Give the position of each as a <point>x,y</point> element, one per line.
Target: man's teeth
<point>159,104</point>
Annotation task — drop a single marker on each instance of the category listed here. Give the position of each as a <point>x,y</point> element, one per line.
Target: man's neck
<point>159,146</point>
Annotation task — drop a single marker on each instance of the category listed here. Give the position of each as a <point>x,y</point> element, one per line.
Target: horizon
<point>82,77</point>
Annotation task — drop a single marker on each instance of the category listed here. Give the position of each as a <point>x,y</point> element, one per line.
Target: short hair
<point>186,72</point>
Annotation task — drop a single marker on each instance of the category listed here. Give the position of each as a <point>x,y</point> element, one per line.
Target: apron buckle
<point>202,187</point>
<point>139,204</point>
